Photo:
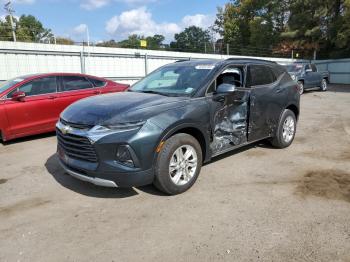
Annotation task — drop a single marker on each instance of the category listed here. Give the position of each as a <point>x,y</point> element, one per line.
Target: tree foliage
<point>27,29</point>
<point>191,39</point>
<point>285,25</point>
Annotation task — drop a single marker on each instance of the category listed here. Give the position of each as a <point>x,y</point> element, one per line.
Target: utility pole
<point>10,11</point>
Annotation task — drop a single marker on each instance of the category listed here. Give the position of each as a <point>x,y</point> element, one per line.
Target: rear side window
<point>260,75</point>
<point>71,83</point>
<point>97,82</point>
<point>278,71</point>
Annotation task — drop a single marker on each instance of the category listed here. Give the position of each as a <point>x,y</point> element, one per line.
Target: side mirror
<point>225,89</point>
<point>18,96</point>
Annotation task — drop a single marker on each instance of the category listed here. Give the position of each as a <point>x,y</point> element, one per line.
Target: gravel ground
<point>256,204</point>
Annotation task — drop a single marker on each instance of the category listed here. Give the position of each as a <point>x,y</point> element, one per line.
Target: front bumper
<point>96,162</point>
<point>133,179</point>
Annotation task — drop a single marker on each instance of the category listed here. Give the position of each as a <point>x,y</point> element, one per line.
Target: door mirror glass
<point>308,70</point>
<point>225,89</point>
<point>18,96</point>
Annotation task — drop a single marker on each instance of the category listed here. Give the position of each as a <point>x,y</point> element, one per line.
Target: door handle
<point>52,97</point>
<point>97,92</point>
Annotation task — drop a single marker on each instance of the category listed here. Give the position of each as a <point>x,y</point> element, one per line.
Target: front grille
<point>76,147</point>
<point>76,126</point>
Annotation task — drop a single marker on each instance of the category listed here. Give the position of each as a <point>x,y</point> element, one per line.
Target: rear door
<point>36,112</point>
<point>266,101</point>
<point>72,89</point>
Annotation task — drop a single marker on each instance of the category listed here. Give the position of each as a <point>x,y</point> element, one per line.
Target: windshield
<point>10,83</point>
<point>294,67</point>
<point>174,80</point>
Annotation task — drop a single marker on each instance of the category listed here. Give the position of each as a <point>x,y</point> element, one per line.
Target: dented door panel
<point>230,121</point>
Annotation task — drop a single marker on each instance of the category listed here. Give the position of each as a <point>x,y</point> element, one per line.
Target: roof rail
<point>251,59</point>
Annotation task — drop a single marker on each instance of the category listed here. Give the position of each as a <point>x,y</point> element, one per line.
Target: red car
<point>32,104</point>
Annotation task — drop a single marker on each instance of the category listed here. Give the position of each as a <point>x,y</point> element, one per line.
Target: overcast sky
<point>107,19</point>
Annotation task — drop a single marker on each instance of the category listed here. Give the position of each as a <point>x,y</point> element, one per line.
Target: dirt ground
<point>257,204</point>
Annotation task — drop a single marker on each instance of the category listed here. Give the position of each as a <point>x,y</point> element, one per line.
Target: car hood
<point>119,108</point>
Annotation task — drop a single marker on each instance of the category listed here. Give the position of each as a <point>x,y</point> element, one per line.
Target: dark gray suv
<point>171,122</point>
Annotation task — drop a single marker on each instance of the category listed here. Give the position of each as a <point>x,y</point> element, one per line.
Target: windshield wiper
<point>154,92</point>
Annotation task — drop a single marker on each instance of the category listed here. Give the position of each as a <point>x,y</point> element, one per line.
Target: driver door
<point>35,112</point>
<point>229,112</point>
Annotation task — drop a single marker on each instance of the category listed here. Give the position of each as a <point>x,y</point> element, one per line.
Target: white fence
<point>339,70</point>
<point>119,64</point>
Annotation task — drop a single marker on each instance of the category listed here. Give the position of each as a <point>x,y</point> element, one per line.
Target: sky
<point>116,19</point>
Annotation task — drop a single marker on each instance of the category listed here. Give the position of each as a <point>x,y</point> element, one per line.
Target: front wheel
<point>178,164</point>
<point>324,85</point>
<point>286,130</point>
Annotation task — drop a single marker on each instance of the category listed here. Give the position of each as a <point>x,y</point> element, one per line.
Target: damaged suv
<point>175,119</point>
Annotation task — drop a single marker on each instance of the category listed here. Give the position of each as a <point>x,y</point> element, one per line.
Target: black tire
<point>324,85</point>
<point>163,179</point>
<point>278,141</point>
<point>301,87</point>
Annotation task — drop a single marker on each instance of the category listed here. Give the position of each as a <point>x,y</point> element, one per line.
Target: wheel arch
<point>197,132</point>
<point>294,109</point>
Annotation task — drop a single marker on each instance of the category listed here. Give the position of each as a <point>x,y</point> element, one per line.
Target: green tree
<point>155,42</point>
<point>192,39</point>
<point>27,28</point>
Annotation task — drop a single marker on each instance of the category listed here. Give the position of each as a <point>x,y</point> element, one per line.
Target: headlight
<point>98,132</point>
<point>294,77</point>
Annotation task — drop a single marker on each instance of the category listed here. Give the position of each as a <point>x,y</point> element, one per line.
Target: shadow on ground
<point>87,189</point>
<point>28,138</point>
<point>339,88</point>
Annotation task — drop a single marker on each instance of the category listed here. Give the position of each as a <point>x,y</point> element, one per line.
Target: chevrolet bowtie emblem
<point>66,129</point>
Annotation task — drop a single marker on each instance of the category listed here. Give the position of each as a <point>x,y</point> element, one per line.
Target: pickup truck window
<point>260,75</point>
<point>314,68</point>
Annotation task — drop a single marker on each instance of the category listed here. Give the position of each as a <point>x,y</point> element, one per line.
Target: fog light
<point>123,156</point>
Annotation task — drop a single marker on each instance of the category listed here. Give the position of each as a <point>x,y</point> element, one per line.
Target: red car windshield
<point>10,83</point>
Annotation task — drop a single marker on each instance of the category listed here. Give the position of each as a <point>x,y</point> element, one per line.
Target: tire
<point>170,171</point>
<point>324,85</point>
<point>301,87</point>
<point>286,130</point>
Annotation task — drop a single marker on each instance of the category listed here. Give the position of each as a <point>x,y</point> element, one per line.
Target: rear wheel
<point>324,85</point>
<point>301,87</point>
<point>286,130</point>
<point>178,164</point>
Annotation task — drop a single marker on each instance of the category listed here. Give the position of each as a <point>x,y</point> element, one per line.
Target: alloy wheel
<point>183,165</point>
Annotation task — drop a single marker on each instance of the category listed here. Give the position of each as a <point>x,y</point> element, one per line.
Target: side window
<point>97,83</point>
<point>41,86</point>
<point>71,83</point>
<point>307,67</point>
<point>314,68</point>
<point>232,75</point>
<point>260,75</point>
